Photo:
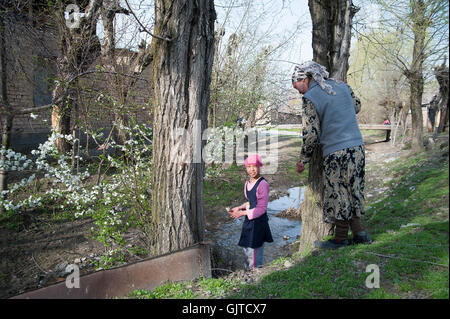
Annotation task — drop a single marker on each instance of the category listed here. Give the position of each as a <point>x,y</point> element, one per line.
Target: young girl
<point>255,229</point>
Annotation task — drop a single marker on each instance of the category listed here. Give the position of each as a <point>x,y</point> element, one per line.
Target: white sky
<point>280,18</point>
<point>287,13</point>
<point>286,17</point>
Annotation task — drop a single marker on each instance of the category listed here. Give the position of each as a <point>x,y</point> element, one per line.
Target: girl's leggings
<point>254,257</point>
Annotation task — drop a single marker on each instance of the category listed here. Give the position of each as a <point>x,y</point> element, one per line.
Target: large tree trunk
<point>6,112</point>
<point>181,78</point>
<point>415,73</point>
<point>332,22</point>
<point>6,126</point>
<point>416,92</point>
<point>441,74</point>
<point>331,46</point>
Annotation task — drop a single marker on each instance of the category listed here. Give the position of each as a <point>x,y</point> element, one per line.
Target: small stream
<point>224,232</point>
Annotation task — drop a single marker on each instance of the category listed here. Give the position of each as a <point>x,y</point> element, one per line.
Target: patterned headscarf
<point>316,71</point>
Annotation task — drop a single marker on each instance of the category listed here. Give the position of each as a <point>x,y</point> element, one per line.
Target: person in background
<point>255,229</point>
<point>239,122</point>
<point>329,112</point>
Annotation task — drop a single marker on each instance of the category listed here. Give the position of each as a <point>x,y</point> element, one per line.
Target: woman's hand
<point>300,167</point>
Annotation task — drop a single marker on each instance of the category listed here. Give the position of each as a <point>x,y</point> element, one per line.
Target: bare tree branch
<point>143,27</point>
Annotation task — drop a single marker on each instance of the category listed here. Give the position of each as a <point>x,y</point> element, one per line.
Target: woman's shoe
<point>330,244</point>
<point>361,238</point>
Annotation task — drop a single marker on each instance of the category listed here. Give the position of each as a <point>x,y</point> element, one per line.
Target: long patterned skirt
<point>344,184</point>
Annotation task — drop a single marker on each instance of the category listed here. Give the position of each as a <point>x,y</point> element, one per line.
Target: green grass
<point>220,191</point>
<point>410,228</point>
<point>413,260</point>
<point>373,133</point>
<point>213,287</point>
<point>217,286</point>
<point>168,290</point>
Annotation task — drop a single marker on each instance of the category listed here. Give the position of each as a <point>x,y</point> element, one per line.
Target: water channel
<point>224,232</point>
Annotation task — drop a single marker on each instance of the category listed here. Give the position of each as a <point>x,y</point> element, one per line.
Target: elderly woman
<point>330,109</point>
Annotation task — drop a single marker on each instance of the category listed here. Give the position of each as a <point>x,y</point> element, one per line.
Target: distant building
<point>31,51</point>
<point>31,71</point>
<point>287,113</point>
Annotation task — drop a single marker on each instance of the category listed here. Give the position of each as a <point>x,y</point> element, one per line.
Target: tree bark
<point>332,22</point>
<point>181,78</point>
<point>416,92</point>
<point>6,126</point>
<point>415,73</point>
<point>441,74</point>
<point>6,112</point>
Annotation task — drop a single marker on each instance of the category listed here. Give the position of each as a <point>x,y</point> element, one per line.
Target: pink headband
<point>253,160</point>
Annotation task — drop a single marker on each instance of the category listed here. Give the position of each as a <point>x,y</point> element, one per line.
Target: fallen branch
<point>40,268</point>
<point>222,269</point>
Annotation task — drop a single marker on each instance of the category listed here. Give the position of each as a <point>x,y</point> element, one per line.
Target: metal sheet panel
<point>183,265</point>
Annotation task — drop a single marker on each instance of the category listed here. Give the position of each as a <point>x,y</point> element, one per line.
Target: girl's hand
<point>236,212</point>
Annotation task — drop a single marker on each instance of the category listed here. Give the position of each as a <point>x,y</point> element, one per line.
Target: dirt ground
<point>37,254</point>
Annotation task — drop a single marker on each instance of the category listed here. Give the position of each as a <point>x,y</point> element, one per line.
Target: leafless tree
<point>246,74</point>
<point>419,40</point>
